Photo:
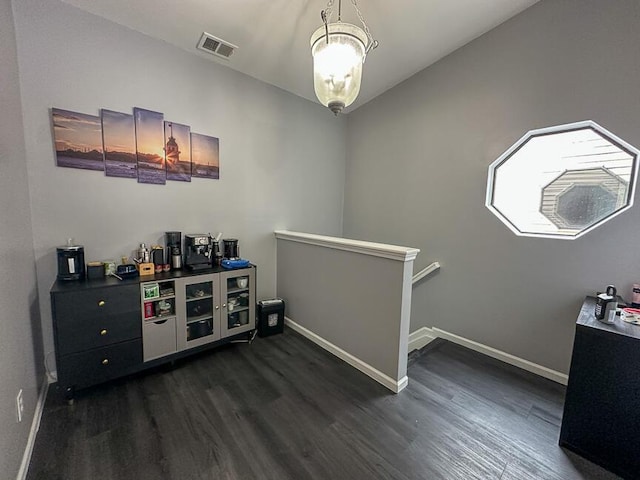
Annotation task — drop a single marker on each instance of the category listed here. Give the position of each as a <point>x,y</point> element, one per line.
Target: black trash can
<point>270,317</point>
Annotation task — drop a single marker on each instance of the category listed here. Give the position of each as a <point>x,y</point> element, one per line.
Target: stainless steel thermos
<point>606,305</point>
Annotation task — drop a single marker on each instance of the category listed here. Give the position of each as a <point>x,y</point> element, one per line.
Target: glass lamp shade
<point>337,65</point>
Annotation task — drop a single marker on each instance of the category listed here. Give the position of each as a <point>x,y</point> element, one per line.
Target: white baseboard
<point>35,426</point>
<point>420,338</point>
<point>377,375</point>
<point>502,356</point>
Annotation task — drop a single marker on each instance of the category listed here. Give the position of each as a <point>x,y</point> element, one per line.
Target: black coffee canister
<point>71,262</point>
<point>231,248</point>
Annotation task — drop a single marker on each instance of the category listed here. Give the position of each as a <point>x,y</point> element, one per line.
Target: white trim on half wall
<point>355,362</point>
<point>393,252</point>
<point>424,335</point>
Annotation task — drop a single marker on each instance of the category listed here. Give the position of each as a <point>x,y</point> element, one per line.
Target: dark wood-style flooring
<point>282,408</point>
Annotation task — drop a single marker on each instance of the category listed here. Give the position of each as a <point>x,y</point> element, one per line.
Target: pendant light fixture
<point>339,50</point>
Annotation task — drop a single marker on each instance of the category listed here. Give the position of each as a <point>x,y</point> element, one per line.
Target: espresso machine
<point>174,249</point>
<point>197,251</point>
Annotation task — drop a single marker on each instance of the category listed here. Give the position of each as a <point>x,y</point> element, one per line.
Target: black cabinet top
<point>61,286</point>
<point>587,318</point>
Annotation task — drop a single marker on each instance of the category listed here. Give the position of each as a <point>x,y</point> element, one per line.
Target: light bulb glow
<point>337,65</point>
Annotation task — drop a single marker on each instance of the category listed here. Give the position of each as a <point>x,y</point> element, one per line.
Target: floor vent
<point>216,46</point>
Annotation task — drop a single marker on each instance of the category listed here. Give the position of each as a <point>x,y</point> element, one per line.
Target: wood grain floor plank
<point>283,408</point>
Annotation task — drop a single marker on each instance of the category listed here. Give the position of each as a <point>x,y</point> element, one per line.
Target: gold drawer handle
<point>103,332</point>
<point>105,361</point>
<point>101,303</point>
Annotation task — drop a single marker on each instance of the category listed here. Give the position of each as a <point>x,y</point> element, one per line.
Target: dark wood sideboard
<point>601,420</point>
<point>101,331</point>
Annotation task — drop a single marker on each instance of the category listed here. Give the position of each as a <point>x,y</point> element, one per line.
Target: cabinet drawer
<point>83,332</point>
<point>97,301</point>
<point>96,366</point>
<point>159,338</point>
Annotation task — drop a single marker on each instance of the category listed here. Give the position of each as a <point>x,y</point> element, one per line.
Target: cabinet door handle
<point>105,361</point>
<point>217,307</point>
<point>101,303</point>
<point>224,305</point>
<point>103,331</point>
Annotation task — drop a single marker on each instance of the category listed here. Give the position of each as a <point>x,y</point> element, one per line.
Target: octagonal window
<point>562,181</point>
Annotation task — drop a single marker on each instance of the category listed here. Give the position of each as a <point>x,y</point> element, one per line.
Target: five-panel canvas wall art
<point>142,146</point>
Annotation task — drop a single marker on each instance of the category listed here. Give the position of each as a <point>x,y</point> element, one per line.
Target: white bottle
<point>610,311</point>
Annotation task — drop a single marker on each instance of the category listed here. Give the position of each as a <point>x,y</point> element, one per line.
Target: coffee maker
<point>231,251</point>
<point>174,249</point>
<point>70,261</point>
<point>198,250</point>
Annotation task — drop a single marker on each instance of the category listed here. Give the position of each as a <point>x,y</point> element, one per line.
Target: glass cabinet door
<point>238,301</point>
<point>198,310</point>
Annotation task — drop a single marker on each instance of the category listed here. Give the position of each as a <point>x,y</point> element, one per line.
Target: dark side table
<point>601,420</point>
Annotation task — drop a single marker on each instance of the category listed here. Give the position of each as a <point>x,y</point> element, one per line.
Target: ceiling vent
<point>216,46</point>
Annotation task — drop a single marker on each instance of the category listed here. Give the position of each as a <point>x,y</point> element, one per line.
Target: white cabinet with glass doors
<point>195,310</point>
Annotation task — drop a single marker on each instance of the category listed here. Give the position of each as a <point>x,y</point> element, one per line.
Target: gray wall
<point>351,300</point>
<point>20,338</point>
<point>417,169</point>
<point>273,145</point>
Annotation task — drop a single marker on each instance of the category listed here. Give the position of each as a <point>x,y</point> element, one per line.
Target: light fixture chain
<point>329,9</point>
<point>372,43</point>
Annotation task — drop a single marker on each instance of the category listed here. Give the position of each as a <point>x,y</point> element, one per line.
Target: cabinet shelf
<point>160,317</point>
<point>237,309</point>
<point>192,299</point>
<point>231,291</point>
<point>199,319</point>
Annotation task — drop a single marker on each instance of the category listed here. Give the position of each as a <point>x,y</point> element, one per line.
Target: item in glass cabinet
<point>199,293</point>
<point>243,299</point>
<point>151,290</point>
<point>149,310</point>
<point>233,321</point>
<point>164,307</point>
<point>232,303</point>
<point>243,317</point>
<point>199,329</point>
<point>242,282</point>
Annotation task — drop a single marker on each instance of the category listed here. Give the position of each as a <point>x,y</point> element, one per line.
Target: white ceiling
<point>273,37</point>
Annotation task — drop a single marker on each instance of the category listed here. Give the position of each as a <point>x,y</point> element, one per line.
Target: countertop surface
<point>587,318</point>
<point>74,285</point>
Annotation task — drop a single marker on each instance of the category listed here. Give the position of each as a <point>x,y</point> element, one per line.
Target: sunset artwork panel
<point>150,146</point>
<point>78,140</point>
<point>119,141</point>
<point>205,156</point>
<point>177,150</point>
